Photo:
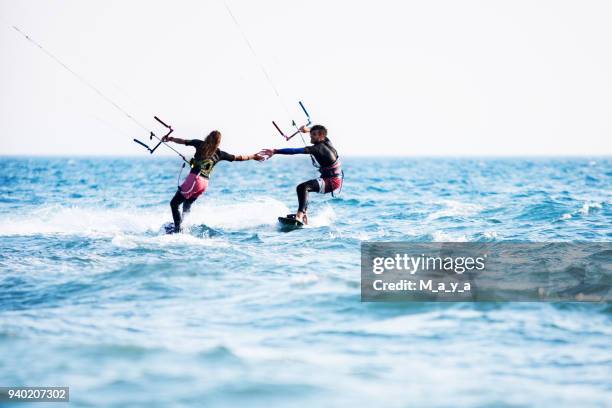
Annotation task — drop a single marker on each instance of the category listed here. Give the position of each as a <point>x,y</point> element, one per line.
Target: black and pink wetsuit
<point>330,168</point>
<point>197,181</point>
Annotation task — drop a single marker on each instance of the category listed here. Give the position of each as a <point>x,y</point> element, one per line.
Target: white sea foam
<point>306,279</point>
<point>588,206</point>
<point>164,240</point>
<point>490,234</point>
<point>115,222</point>
<point>237,214</point>
<point>80,221</point>
<point>586,209</point>
<point>440,236</point>
<point>453,208</point>
<point>323,218</point>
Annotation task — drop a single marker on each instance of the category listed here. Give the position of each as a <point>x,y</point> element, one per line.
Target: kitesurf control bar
<point>161,140</point>
<point>305,111</point>
<point>170,130</point>
<point>152,135</point>
<point>294,124</point>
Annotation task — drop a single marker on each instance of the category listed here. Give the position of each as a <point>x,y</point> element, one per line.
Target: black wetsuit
<point>325,158</point>
<point>205,165</point>
<point>199,165</point>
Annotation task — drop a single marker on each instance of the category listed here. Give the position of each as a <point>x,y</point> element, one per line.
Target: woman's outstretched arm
<point>255,156</point>
<point>239,157</point>
<point>175,140</point>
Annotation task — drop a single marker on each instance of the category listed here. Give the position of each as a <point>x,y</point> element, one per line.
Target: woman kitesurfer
<point>207,155</point>
<point>325,157</point>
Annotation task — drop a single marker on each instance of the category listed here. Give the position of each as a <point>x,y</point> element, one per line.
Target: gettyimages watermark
<point>490,272</point>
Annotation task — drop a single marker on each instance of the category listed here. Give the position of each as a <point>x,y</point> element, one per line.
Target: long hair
<point>211,143</point>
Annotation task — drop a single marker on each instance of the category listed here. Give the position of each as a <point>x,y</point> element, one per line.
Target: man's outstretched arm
<point>271,152</point>
<point>289,150</point>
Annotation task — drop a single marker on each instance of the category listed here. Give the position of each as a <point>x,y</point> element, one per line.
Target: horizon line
<point>408,156</point>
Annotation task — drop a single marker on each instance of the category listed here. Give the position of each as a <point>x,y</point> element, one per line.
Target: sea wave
<point>98,222</point>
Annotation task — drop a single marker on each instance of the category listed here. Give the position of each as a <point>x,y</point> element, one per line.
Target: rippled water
<point>238,313</point>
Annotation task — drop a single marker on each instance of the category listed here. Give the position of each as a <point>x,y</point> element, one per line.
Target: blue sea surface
<point>235,312</point>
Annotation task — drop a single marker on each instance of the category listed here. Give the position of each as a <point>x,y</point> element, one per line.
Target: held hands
<point>267,153</point>
<point>304,129</point>
<point>258,157</point>
<point>167,139</point>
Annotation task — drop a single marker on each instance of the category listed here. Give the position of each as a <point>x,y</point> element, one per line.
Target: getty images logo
<point>412,264</point>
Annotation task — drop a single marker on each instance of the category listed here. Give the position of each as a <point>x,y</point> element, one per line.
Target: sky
<point>400,78</point>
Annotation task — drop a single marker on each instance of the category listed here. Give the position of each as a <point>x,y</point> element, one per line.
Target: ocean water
<point>235,312</point>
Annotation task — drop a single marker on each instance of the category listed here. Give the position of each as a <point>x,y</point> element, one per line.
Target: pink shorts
<point>329,184</point>
<point>193,186</point>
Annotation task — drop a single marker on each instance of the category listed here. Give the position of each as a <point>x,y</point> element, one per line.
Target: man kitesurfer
<point>325,157</point>
<point>207,155</point>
